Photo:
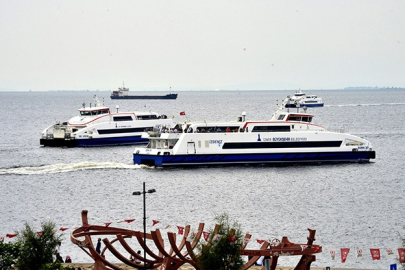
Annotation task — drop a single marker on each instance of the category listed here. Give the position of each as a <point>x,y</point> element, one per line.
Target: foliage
<point>8,254</point>
<point>55,266</point>
<point>37,250</point>
<point>225,253</point>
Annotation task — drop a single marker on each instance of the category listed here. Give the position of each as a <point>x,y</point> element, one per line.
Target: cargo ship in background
<point>122,93</point>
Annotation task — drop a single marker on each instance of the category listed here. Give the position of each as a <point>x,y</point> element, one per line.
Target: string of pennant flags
<point>344,252</point>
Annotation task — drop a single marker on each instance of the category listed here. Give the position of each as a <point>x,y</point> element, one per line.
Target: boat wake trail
<point>62,168</point>
<point>355,105</point>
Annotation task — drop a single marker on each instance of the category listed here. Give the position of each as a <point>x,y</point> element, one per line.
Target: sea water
<point>356,206</point>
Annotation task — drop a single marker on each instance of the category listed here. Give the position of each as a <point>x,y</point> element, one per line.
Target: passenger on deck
<point>228,129</point>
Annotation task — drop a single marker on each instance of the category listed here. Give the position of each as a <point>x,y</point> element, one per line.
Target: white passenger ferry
<point>97,126</point>
<point>287,137</point>
<point>301,100</point>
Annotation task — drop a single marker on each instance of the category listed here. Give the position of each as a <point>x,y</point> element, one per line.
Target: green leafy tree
<point>8,254</point>
<point>37,250</point>
<point>223,253</point>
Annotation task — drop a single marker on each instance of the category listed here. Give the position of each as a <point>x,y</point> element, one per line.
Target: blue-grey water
<point>356,206</point>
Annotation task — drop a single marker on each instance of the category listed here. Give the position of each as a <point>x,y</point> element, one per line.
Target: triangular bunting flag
<point>63,229</point>
<point>260,241</point>
<point>232,238</point>
<point>39,234</point>
<point>343,253</point>
<point>191,236</point>
<point>332,254</point>
<point>11,235</point>
<point>167,226</point>
<point>107,224</point>
<point>401,253</point>
<point>181,229</point>
<point>375,253</point>
<point>359,253</point>
<point>155,222</point>
<point>206,235</point>
<point>217,237</point>
<point>390,252</point>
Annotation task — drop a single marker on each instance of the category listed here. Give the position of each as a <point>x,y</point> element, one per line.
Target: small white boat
<point>300,100</point>
<point>285,138</point>
<point>97,126</point>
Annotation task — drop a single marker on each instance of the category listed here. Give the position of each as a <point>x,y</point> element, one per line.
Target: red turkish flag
<point>182,113</point>
<point>401,252</point>
<point>343,253</point>
<point>181,229</point>
<point>11,235</point>
<point>155,222</point>
<point>375,253</point>
<point>206,235</point>
<point>63,229</point>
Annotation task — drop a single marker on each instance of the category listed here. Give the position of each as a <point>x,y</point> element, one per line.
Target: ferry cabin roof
<point>105,110</point>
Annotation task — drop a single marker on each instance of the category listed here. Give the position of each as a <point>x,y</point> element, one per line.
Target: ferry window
<point>122,118</point>
<point>207,144</point>
<point>85,113</point>
<point>281,117</point>
<point>147,117</point>
<point>294,118</point>
<point>199,144</point>
<point>271,129</point>
<point>307,119</point>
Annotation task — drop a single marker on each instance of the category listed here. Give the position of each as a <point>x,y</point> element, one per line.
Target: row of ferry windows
<point>129,118</point>
<point>296,118</point>
<point>237,128</point>
<point>89,113</point>
<point>118,118</point>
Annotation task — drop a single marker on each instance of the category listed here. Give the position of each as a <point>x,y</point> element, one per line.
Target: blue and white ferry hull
<point>263,158</point>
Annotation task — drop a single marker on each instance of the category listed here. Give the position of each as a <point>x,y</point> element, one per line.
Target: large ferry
<point>97,126</point>
<point>301,100</point>
<point>288,137</point>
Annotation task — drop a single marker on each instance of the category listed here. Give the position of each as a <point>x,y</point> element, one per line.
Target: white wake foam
<point>355,105</point>
<point>62,168</point>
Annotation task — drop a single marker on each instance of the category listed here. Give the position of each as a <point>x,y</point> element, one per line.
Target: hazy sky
<point>196,45</point>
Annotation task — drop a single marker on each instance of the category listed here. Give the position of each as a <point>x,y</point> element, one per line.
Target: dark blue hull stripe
<point>94,142</point>
<point>252,158</point>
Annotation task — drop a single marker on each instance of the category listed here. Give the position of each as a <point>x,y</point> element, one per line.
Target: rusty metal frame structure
<point>183,253</point>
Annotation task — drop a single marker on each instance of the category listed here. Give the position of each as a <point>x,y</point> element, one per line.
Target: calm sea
<point>356,206</point>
